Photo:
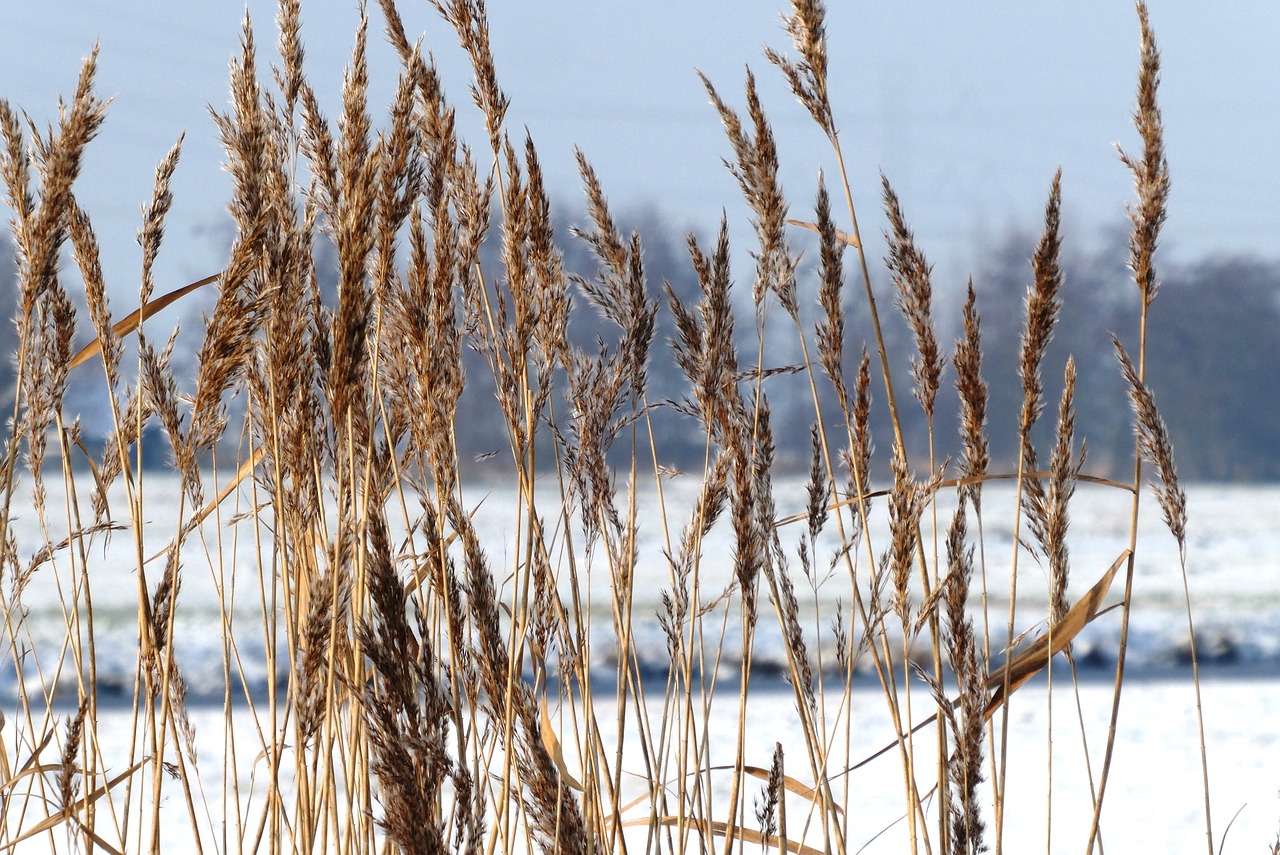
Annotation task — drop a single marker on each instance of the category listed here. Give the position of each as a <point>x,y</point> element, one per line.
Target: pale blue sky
<point>969,108</point>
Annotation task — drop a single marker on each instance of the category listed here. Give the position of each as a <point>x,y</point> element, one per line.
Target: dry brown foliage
<point>428,684</point>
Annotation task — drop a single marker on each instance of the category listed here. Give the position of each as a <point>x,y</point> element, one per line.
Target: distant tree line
<point>1213,355</point>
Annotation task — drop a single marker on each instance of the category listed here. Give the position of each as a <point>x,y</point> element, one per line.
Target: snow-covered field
<point>1154,799</point>
<point>1155,796</point>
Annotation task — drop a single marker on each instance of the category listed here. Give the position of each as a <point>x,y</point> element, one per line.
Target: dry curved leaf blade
<point>1031,661</point>
<point>552,743</point>
<point>138,316</point>
<point>813,227</point>
<point>789,783</point>
<point>1004,681</point>
<point>721,829</point>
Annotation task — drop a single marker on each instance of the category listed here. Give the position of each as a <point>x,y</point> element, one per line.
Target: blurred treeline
<point>1213,354</point>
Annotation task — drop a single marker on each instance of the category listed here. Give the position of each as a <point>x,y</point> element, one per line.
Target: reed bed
<point>427,688</point>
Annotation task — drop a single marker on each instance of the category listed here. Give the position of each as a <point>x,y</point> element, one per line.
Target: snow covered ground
<point>1154,798</point>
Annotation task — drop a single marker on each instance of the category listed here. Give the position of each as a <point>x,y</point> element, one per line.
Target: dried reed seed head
<point>911,275</point>
<point>550,284</point>
<point>45,317</point>
<point>408,719</point>
<point>116,452</point>
<point>491,653</point>
<point>395,32</point>
<point>69,764</point>
<point>965,774</point>
<point>63,313</point>
<point>353,239</point>
<point>797,648</point>
<point>861,446</point>
<point>687,343</point>
<point>245,134</point>
<point>152,232</point>
<point>818,487</point>
<point>387,596</point>
<point>641,315</point>
<point>16,171</point>
<point>756,169</point>
<point>400,166</point>
<point>516,262</point>
<point>775,264</point>
<point>87,257</point>
<point>605,239</point>
<point>1043,305</point>
<point>705,350</point>
<point>409,766</point>
<point>840,638</point>
<point>159,390</point>
<point>440,151</point>
<point>424,317</point>
<point>594,397</point>
<point>1064,471</point>
<point>471,22</point>
<point>289,78</point>
<point>57,164</point>
<point>620,289</point>
<point>471,202</point>
<point>749,541</point>
<point>964,766</point>
<point>732,124</point>
<point>317,146</point>
<point>830,328</point>
<point>959,566</point>
<point>773,793</point>
<point>166,598</point>
<point>972,390</point>
<point>1151,173</point>
<point>435,116</point>
<point>287,350</point>
<point>710,505</point>
<point>44,356</point>
<point>808,79</point>
<point>321,583</point>
<point>348,382</point>
<point>906,503</point>
<point>228,345</point>
<point>1155,447</point>
<point>545,605</point>
<point>355,123</point>
<point>763,451</point>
